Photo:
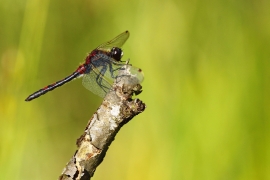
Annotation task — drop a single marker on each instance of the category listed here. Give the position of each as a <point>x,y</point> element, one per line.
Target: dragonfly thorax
<point>116,53</point>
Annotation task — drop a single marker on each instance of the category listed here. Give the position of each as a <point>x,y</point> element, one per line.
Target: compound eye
<point>116,53</point>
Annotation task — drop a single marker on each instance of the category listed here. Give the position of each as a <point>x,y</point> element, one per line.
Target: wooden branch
<point>116,110</point>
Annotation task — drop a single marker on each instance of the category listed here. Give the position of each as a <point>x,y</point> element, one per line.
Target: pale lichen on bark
<point>117,109</point>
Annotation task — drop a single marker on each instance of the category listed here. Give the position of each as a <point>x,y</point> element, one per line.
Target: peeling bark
<point>117,109</point>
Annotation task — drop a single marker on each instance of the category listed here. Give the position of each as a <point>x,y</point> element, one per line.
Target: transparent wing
<point>101,75</point>
<point>98,89</point>
<point>118,41</point>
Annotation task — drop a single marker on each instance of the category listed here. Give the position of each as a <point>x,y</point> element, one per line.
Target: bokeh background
<point>207,71</point>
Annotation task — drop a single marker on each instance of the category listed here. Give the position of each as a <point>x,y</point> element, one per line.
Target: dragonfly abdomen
<point>53,86</point>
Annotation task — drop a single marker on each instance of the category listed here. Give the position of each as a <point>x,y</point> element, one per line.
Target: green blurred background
<point>207,71</point>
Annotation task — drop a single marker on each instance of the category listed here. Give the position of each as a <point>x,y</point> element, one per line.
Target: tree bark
<point>117,109</point>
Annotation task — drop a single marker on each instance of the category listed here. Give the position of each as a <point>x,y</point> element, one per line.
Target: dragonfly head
<point>116,53</point>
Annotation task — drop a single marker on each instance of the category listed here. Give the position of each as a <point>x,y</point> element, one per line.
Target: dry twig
<point>116,110</point>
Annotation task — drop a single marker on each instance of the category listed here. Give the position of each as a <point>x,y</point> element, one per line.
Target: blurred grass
<point>206,66</point>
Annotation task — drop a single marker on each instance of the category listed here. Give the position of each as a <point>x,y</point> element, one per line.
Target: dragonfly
<point>98,71</point>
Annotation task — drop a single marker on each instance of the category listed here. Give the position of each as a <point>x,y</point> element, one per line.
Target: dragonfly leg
<point>100,81</point>
<point>120,66</point>
<point>125,62</point>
